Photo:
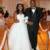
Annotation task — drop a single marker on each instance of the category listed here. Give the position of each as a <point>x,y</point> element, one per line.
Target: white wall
<point>45,4</point>
<point>11,4</point>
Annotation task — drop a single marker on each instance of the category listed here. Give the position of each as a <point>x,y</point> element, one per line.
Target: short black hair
<point>1,10</point>
<point>17,10</point>
<point>6,14</point>
<point>48,12</point>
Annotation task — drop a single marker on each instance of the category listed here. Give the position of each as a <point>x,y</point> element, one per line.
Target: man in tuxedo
<point>34,14</point>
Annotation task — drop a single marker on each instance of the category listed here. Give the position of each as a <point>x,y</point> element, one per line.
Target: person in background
<point>43,21</point>
<point>43,30</point>
<point>34,14</point>
<point>1,17</point>
<point>3,29</point>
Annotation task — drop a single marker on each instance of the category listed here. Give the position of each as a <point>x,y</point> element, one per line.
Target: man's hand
<point>30,22</point>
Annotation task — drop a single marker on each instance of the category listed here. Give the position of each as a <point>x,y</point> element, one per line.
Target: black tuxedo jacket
<point>35,18</point>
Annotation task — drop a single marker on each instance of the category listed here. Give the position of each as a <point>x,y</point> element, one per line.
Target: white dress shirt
<point>33,10</point>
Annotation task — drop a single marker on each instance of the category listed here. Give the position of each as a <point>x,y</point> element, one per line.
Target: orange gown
<point>42,39</point>
<point>1,35</point>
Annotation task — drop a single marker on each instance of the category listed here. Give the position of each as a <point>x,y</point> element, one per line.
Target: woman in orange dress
<point>3,30</point>
<point>42,33</point>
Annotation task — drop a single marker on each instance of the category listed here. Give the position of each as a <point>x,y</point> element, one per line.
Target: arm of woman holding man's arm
<point>27,21</point>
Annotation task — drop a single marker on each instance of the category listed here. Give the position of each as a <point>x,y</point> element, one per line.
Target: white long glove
<point>26,19</point>
<point>0,48</point>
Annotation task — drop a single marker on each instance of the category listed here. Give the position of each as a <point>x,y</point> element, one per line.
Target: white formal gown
<point>18,38</point>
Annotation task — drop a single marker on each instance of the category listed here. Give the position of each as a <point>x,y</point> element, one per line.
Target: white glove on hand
<point>26,19</point>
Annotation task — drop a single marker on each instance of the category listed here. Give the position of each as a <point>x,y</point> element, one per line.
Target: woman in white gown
<point>18,38</point>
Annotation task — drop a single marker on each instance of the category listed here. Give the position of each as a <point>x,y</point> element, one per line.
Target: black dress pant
<point>32,36</point>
